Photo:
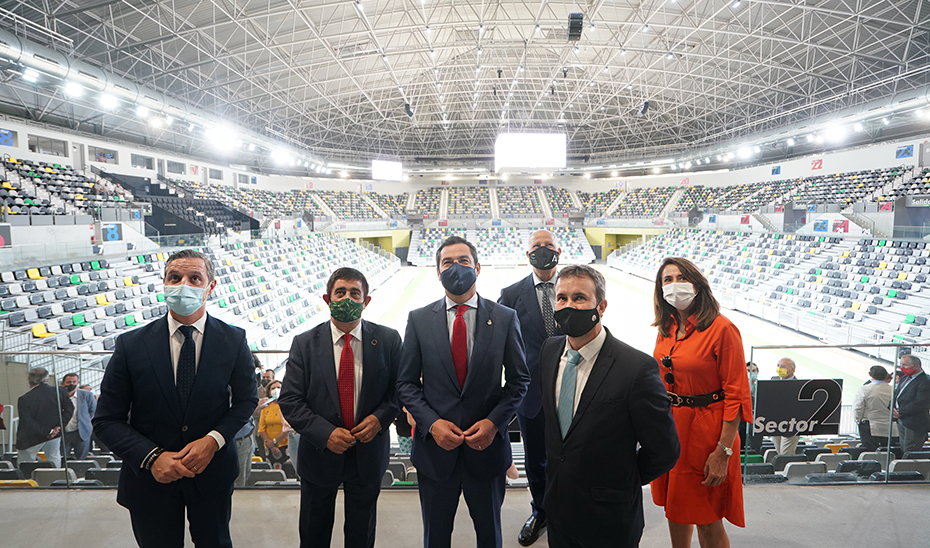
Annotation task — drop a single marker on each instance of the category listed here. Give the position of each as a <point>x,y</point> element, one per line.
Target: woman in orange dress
<point>701,360</point>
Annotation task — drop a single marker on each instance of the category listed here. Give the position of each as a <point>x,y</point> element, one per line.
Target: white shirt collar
<point>592,349</point>
<point>173,324</point>
<point>338,334</point>
<point>537,280</point>
<point>472,302</point>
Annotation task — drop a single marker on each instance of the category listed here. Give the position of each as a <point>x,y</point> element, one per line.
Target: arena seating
<point>840,290</point>
<point>289,203</point>
<point>211,216</point>
<point>263,286</point>
<point>348,205</point>
<point>427,201</point>
<point>38,188</point>
<point>920,184</point>
<point>471,201</point>
<point>498,245</point>
<point>560,200</point>
<point>596,203</point>
<point>395,205</point>
<point>722,198</point>
<point>844,188</point>
<point>643,202</point>
<point>518,201</point>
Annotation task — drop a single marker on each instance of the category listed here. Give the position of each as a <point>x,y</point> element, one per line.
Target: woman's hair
<point>704,308</point>
<point>272,383</point>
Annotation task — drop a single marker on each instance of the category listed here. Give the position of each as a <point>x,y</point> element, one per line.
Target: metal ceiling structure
<point>333,76</point>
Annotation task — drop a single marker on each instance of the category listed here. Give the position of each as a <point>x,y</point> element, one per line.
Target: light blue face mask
<point>183,299</point>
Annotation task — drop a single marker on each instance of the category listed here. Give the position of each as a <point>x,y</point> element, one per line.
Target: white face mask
<point>275,392</point>
<point>678,294</point>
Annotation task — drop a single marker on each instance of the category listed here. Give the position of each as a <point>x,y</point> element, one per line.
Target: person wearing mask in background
<point>271,428</point>
<point>176,436</point>
<point>746,433</point>
<point>912,404</point>
<point>245,444</point>
<point>872,410</point>
<point>456,351</point>
<point>340,396</point>
<point>42,412</point>
<point>266,377</point>
<point>533,298</point>
<point>785,445</point>
<point>701,357</point>
<point>609,427</point>
<point>78,431</point>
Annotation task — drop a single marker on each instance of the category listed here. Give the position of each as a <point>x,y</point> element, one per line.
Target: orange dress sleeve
<point>731,364</point>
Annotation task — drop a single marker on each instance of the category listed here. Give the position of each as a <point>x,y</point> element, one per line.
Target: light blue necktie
<point>567,393</point>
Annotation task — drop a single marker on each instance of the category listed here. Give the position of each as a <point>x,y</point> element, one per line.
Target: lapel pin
<point>374,342</point>
<point>489,322</point>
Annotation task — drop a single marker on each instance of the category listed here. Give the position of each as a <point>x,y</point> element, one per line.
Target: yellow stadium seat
<point>33,274</point>
<point>18,483</point>
<point>39,331</point>
<point>127,281</point>
<point>256,458</point>
<point>102,300</point>
<point>855,306</point>
<point>902,276</point>
<point>882,265</point>
<point>819,280</point>
<point>846,254</point>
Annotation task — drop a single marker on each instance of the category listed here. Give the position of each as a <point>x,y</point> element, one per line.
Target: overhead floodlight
<point>614,173</point>
<point>756,149</point>
<point>810,138</point>
<point>221,138</point>
<point>191,127</point>
<point>743,152</point>
<point>155,121</point>
<point>587,175</point>
<point>719,157</point>
<point>657,170</point>
<point>835,133</point>
<point>688,164</point>
<point>73,89</point>
<point>30,75</point>
<point>529,151</point>
<point>674,166</point>
<point>169,120</point>
<point>343,174</point>
<point>280,156</point>
<point>790,142</point>
<point>706,160</point>
<point>108,101</point>
<point>885,121</point>
<point>858,126</point>
<point>142,111</point>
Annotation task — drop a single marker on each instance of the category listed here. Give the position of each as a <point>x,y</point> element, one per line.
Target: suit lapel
<point>369,363</point>
<point>441,338</point>
<point>530,302</point>
<point>598,373</point>
<point>552,375</point>
<point>212,345</point>
<point>158,349</point>
<point>323,343</point>
<point>483,324</point>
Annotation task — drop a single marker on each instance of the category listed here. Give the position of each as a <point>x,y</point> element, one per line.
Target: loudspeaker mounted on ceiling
<point>644,108</point>
<point>408,110</point>
<point>575,26</point>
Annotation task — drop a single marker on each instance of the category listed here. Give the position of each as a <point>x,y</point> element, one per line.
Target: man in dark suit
<point>189,383</point>
<point>43,410</point>
<point>455,352</point>
<point>912,404</point>
<point>78,430</point>
<point>533,298</point>
<point>601,398</point>
<point>339,396</point>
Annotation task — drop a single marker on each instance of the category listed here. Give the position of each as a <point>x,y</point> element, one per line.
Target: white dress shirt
<point>589,354</point>
<point>73,423</point>
<point>176,340</point>
<point>356,346</point>
<point>470,319</point>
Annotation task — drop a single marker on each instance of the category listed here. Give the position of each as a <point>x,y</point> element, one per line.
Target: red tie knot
<point>460,309</point>
<point>347,338</point>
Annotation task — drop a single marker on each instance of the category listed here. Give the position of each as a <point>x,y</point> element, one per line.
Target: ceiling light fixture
<point>30,75</point>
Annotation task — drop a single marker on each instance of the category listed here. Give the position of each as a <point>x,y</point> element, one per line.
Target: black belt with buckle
<point>700,400</point>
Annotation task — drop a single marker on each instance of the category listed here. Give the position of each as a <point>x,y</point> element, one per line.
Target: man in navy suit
<point>42,412</point>
<point>78,430</point>
<point>533,298</point>
<point>609,426</point>
<point>455,353</point>
<point>912,404</point>
<point>189,383</point>
<point>339,396</point>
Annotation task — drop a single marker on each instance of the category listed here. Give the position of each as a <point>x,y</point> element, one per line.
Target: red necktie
<point>460,344</point>
<point>347,383</point>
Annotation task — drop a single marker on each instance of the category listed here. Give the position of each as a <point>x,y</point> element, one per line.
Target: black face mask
<point>266,382</point>
<point>458,279</point>
<point>574,322</point>
<point>544,258</point>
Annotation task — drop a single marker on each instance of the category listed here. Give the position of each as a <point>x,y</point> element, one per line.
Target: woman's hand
<point>715,469</point>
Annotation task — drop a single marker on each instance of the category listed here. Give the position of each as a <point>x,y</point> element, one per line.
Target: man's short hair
<point>349,274</point>
<point>912,359</point>
<point>585,271</point>
<point>192,254</point>
<point>555,239</point>
<point>269,371</point>
<point>37,375</point>
<point>788,359</point>
<point>452,240</point>
<point>70,375</point>
<point>878,373</point>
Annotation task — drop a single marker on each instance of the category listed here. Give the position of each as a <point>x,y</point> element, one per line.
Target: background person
<point>533,299</point>
<point>78,431</point>
<point>701,357</point>
<point>42,412</point>
<point>271,428</point>
<point>872,409</point>
<point>912,404</point>
<point>609,427</point>
<point>785,445</point>
<point>453,390</point>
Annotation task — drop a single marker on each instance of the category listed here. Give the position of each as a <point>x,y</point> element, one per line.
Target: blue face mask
<point>183,299</point>
<point>458,279</point>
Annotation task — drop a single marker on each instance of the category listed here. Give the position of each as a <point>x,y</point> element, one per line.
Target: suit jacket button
<point>562,458</point>
<point>184,428</point>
